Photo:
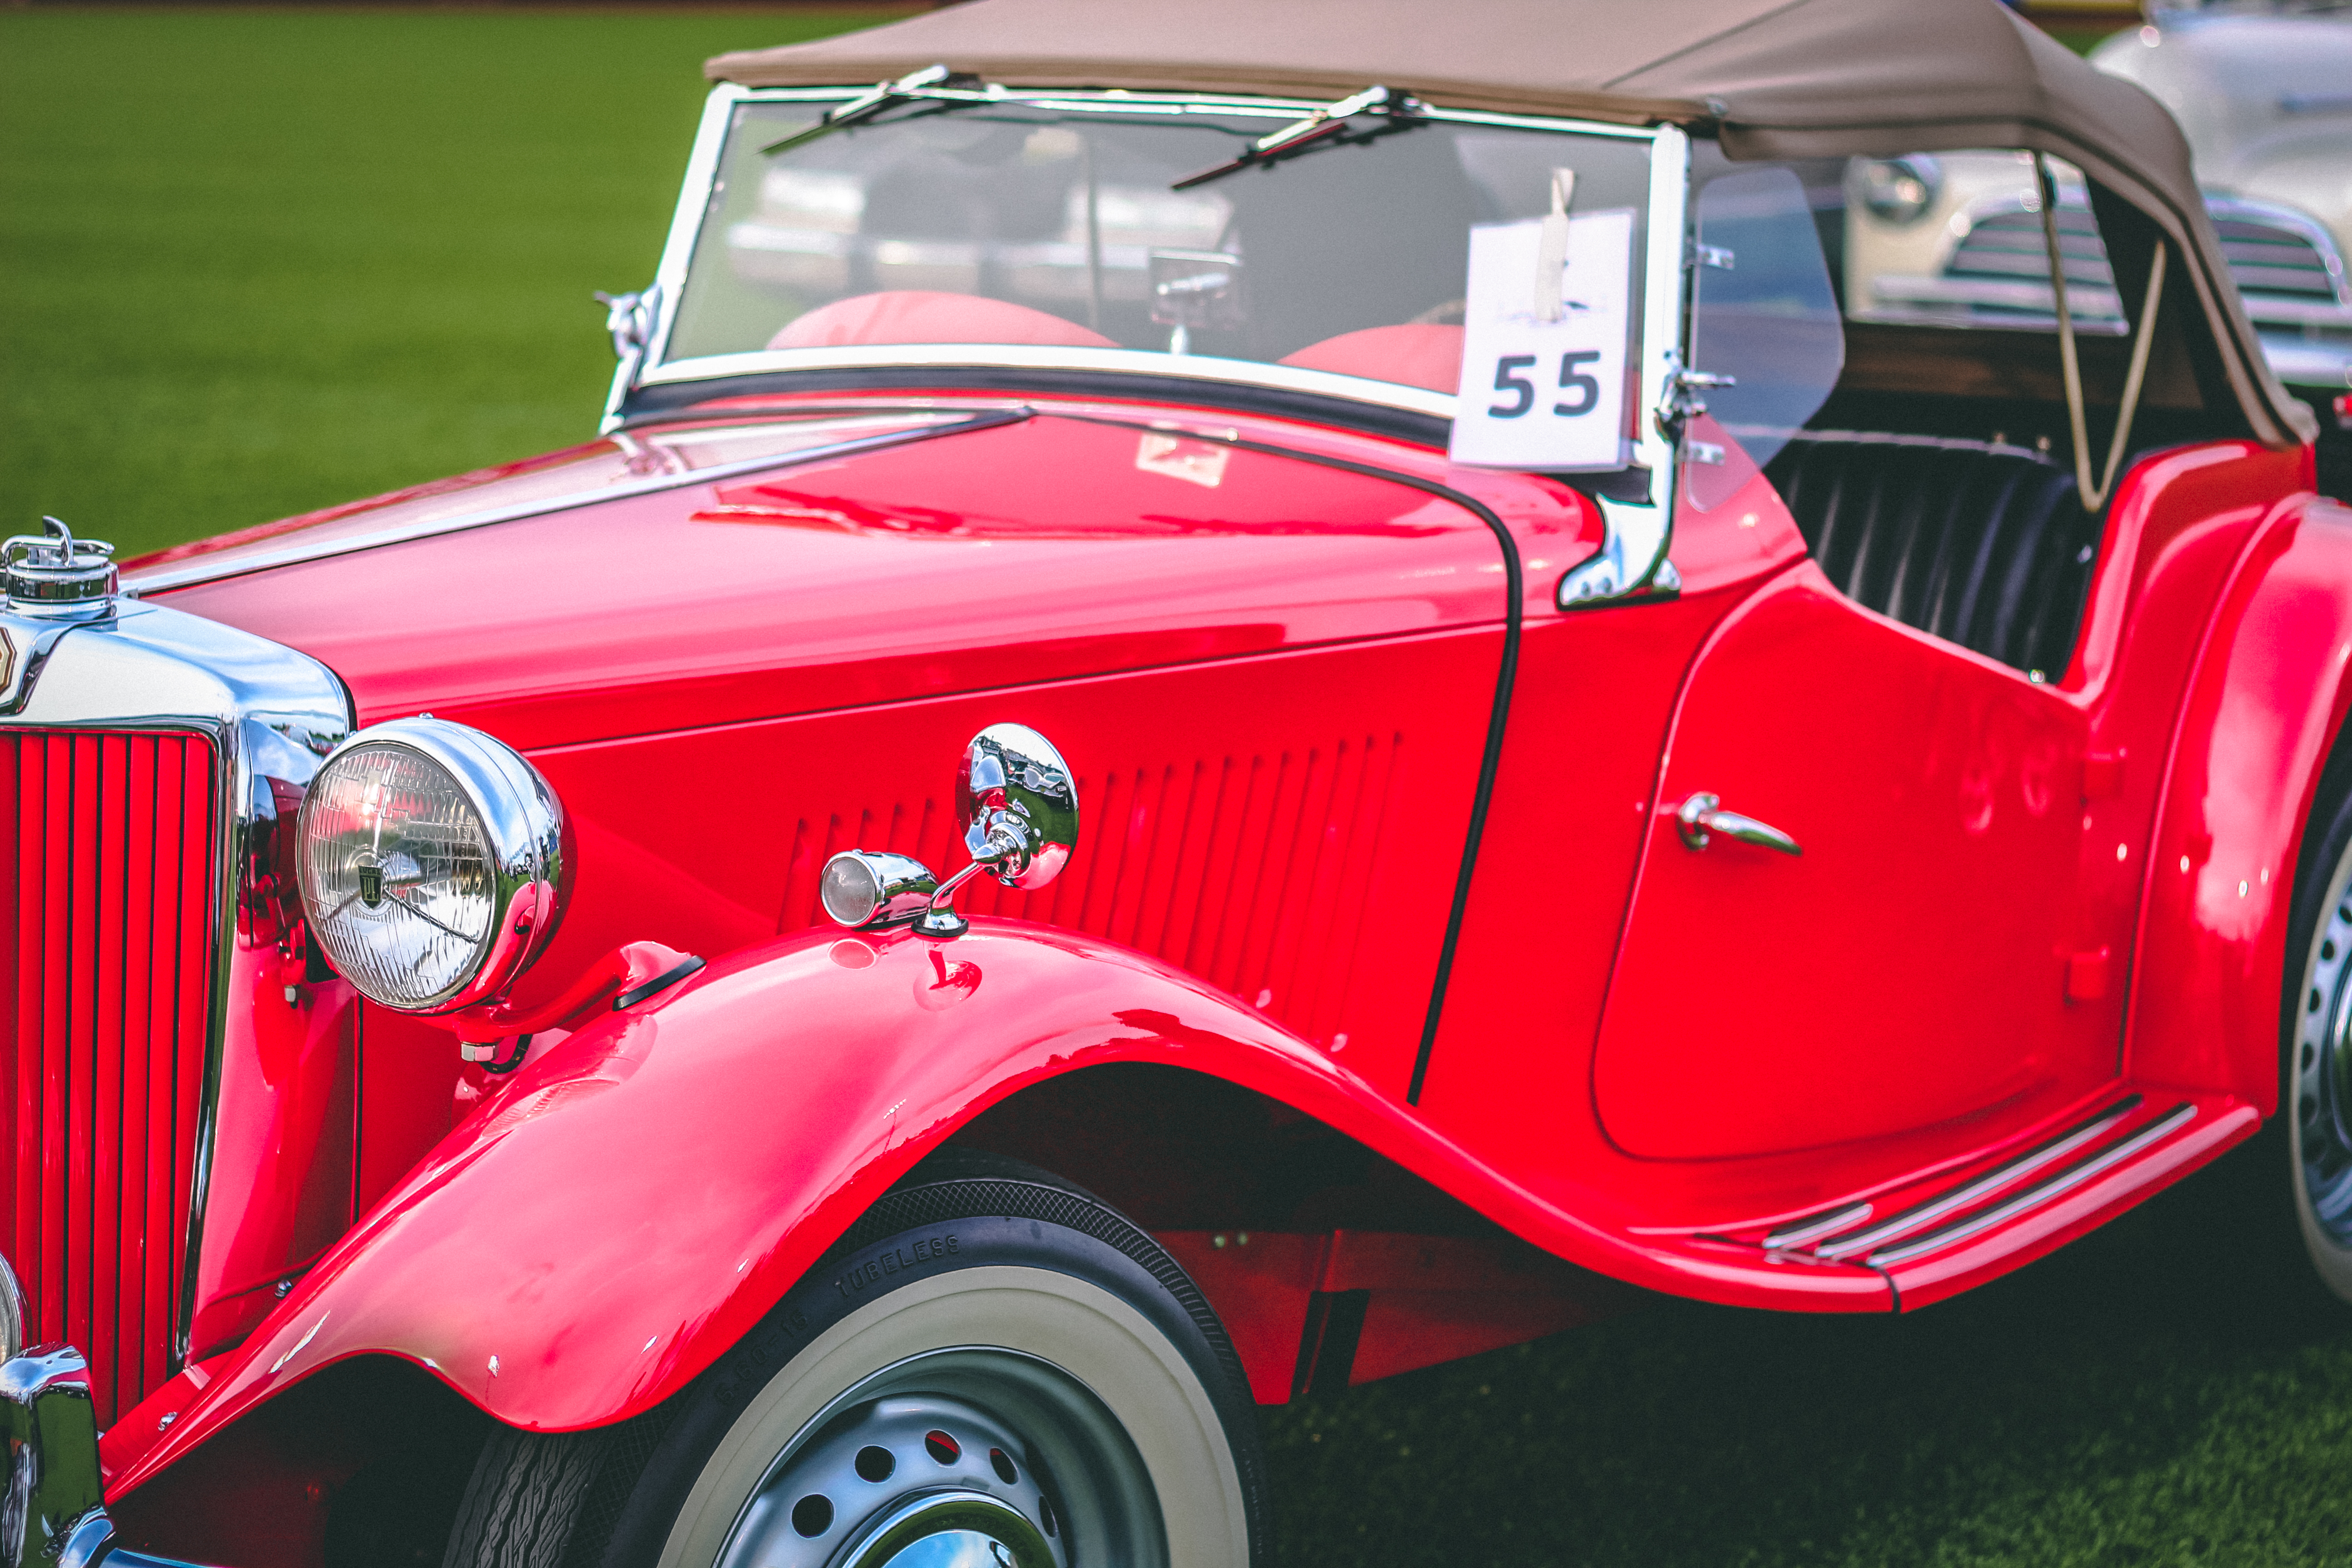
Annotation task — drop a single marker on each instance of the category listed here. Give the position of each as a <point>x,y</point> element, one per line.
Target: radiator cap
<point>53,572</point>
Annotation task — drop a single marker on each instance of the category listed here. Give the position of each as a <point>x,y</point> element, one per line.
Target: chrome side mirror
<point>1018,809</point>
<point>1017,806</point>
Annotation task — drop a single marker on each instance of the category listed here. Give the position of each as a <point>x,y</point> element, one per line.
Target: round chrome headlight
<point>1899,190</point>
<point>434,864</point>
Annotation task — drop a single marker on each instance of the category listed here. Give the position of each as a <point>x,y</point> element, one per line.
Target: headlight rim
<point>530,852</point>
<point>1924,168</point>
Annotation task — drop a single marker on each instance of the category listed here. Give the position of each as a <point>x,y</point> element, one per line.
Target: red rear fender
<point>2265,706</point>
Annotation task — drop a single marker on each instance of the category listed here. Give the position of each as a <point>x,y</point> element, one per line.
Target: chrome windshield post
<point>1631,562</point>
<point>660,300</point>
<point>630,318</point>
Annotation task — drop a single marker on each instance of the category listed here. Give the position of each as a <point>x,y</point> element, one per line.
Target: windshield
<point>1055,223</point>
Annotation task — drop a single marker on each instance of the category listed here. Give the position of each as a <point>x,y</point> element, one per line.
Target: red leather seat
<point>931,316</point>
<point>1414,355</point>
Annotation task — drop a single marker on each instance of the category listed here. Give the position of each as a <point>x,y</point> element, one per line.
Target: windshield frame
<point>1660,306</point>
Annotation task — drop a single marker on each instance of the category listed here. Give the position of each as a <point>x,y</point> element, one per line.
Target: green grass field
<point>260,261</point>
<point>2135,1400</point>
<point>255,262</point>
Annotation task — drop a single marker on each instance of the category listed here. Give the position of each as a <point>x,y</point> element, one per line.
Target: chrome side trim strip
<point>1803,1231</point>
<point>206,569</point>
<point>1984,1187</point>
<point>2041,1192</point>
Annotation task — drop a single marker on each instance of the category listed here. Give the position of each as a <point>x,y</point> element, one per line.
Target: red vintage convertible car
<point>1227,708</point>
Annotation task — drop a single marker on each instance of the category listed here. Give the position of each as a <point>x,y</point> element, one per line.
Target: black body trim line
<point>1489,763</point>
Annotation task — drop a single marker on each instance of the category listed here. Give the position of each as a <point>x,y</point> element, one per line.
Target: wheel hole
<point>2313,1005</point>
<point>1003,1466</point>
<point>1045,1514</point>
<point>2310,1054</point>
<point>874,1464</point>
<point>813,1515</point>
<point>2327,951</point>
<point>942,1447</point>
<point>2308,1110</point>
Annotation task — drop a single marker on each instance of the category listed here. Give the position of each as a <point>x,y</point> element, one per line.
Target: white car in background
<point>2264,93</point>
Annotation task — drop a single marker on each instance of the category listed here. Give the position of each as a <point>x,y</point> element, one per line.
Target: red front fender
<point>2266,705</point>
<point>638,1198</point>
<point>635,1200</point>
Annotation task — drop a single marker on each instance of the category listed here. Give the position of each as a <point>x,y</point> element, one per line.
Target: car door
<point>1908,965</point>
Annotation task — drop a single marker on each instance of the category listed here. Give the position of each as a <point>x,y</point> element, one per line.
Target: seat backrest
<point>1978,543</point>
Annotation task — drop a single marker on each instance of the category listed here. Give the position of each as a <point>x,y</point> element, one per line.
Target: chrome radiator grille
<point>2279,263</point>
<point>105,958</point>
<point>2006,255</point>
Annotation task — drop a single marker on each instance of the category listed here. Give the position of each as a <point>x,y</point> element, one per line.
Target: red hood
<point>1046,548</point>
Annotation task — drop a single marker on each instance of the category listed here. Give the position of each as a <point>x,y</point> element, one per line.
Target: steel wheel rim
<point>2319,1110</point>
<point>967,1457</point>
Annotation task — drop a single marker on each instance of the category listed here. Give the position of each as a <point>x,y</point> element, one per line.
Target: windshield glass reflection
<point>1049,225</point>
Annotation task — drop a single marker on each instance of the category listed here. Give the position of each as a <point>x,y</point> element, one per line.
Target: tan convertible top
<point>1774,78</point>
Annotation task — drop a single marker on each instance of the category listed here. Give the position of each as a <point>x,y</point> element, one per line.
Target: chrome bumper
<point>53,1512</point>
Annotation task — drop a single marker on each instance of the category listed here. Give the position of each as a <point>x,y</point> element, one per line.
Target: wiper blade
<point>1324,126</point>
<point>935,83</point>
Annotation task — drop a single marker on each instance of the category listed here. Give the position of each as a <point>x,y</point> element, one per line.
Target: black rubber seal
<point>666,401</point>
<point>658,984</point>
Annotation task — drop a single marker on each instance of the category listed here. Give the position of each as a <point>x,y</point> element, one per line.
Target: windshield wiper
<point>933,83</point>
<point>1325,126</point>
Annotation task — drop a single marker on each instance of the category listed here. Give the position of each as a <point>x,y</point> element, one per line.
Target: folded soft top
<point>1774,78</point>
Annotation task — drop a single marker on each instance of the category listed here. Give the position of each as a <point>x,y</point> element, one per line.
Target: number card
<point>1538,393</point>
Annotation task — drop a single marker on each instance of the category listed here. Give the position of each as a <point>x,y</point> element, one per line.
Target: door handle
<point>1701,816</point>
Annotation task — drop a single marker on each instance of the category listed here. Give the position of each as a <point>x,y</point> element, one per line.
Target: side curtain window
<point>1764,312</point>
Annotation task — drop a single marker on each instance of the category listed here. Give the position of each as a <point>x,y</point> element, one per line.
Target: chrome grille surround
<point>270,714</point>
